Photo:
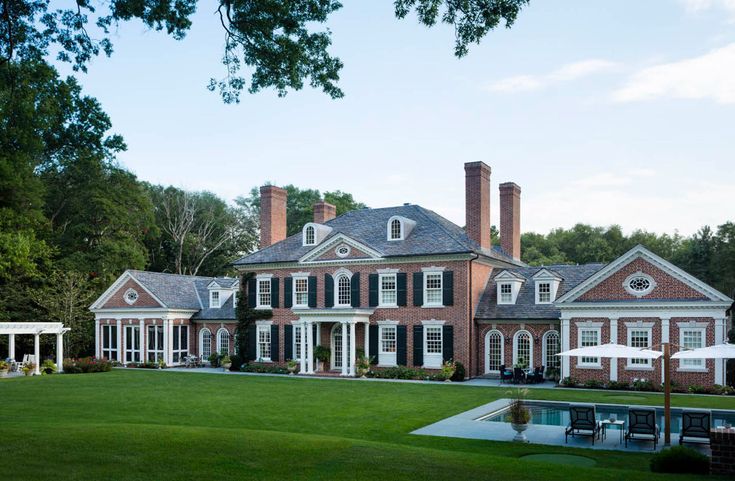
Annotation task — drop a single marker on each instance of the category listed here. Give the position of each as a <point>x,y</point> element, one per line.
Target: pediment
<point>340,248</point>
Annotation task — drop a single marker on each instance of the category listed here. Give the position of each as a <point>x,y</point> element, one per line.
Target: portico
<point>13,329</point>
<point>345,321</point>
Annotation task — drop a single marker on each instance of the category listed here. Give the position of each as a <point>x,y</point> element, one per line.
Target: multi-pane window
<point>155,343</point>
<point>506,293</point>
<point>523,349</point>
<point>264,343</point>
<point>297,342</point>
<point>494,350</point>
<point>205,344</point>
<point>640,338</point>
<point>180,343</point>
<point>264,293</point>
<point>589,337</point>
<point>388,292</point>
<point>395,229</point>
<point>433,339</point>
<point>109,342</point>
<point>387,354</point>
<point>310,237</point>
<point>433,289</point>
<point>132,343</point>
<point>553,346</point>
<point>214,299</point>
<point>544,292</point>
<point>344,297</point>
<point>300,292</point>
<point>223,341</point>
<point>692,339</point>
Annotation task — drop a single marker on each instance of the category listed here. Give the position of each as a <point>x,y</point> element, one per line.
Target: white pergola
<point>36,329</point>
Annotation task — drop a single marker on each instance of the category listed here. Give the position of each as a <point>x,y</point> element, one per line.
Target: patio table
<point>607,423</point>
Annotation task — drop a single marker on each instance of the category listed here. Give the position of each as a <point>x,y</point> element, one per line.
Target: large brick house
<point>408,287</point>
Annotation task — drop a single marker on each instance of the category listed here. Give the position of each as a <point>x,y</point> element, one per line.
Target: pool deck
<point>466,425</point>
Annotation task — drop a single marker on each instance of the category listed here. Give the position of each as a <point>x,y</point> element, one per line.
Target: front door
<point>132,344</point>
<point>338,345</point>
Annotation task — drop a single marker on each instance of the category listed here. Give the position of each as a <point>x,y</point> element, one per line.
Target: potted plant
<point>519,415</point>
<point>322,355</point>
<point>48,367</point>
<point>553,374</point>
<point>362,366</point>
<point>448,368</point>
<point>4,368</point>
<point>161,363</point>
<point>28,368</point>
<point>214,359</point>
<point>225,362</point>
<point>522,363</point>
<point>292,366</point>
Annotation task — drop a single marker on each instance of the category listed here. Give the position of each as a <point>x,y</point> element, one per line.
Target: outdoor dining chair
<point>505,374</point>
<point>583,422</point>
<point>695,424</point>
<point>642,425</point>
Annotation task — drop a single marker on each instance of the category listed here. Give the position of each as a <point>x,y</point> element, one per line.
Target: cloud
<point>710,76</point>
<point>566,73</point>
<point>696,6</point>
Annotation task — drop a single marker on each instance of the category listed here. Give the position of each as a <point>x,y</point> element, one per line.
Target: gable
<point>328,250</point>
<point>331,254</point>
<point>117,298</point>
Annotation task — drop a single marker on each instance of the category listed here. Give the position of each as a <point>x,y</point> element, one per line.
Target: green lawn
<point>150,425</point>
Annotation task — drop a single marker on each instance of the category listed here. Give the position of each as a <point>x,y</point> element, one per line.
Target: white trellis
<point>35,329</point>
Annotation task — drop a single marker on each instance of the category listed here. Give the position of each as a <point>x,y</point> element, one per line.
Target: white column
<point>120,354</point>
<point>36,354</point>
<point>60,352</point>
<point>11,347</point>
<point>141,322</point>
<point>310,348</point>
<point>614,340</point>
<point>302,341</point>
<point>344,348</point>
<point>97,346</point>
<point>665,337</point>
<point>170,344</point>
<point>318,341</point>
<point>353,350</point>
<point>720,363</point>
<point>367,340</point>
<point>565,333</point>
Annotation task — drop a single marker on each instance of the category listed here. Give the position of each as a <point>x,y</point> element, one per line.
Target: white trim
<point>263,278</point>
<point>340,273</point>
<point>220,331</point>
<point>339,248</point>
<point>433,360</point>
<point>263,326</point>
<point>407,226</point>
<point>516,335</point>
<point>212,305</point>
<point>124,277</point>
<point>589,326</point>
<point>321,232</point>
<point>487,350</point>
<point>544,348</point>
<point>319,250</point>
<point>646,327</point>
<point>299,276</point>
<point>433,322</point>
<point>693,326</point>
<point>651,284</point>
<point>432,271</point>
<point>382,276</point>
<point>387,359</point>
<point>387,271</point>
<point>537,291</point>
<point>127,293</point>
<point>201,342</point>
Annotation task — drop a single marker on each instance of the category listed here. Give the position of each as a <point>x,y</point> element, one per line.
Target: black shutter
<point>312,291</point>
<point>251,292</point>
<point>418,345</point>
<point>252,339</point>
<point>401,286</point>
<point>448,342</point>
<point>401,345</point>
<point>314,330</point>
<point>275,292</point>
<point>374,344</point>
<point>373,286</point>
<point>328,290</point>
<point>355,290</point>
<point>418,288</point>
<point>287,342</point>
<point>448,288</point>
<point>288,292</point>
<point>274,343</point>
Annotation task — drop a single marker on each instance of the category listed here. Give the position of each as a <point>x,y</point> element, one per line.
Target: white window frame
<point>501,294</point>
<point>433,360</point>
<point>538,292</point>
<point>263,328</point>
<point>530,347</point>
<point>263,278</point>
<point>177,355</point>
<point>692,365</point>
<point>545,349</point>
<point>296,280</point>
<point>402,229</point>
<point>581,363</point>
<point>108,351</point>
<point>296,341</point>
<point>381,302</point>
<point>337,278</point>
<point>651,284</point>
<point>639,363</point>
<point>212,295</point>
<point>434,272</point>
<point>222,331</point>
<point>202,344</point>
<point>135,354</point>
<point>387,358</point>
<point>155,332</point>
<point>487,350</point>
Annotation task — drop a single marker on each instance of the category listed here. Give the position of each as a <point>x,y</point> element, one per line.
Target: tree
<point>275,40</point>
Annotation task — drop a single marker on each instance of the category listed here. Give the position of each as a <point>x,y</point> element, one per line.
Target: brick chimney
<point>477,202</point>
<point>510,219</point>
<point>272,215</point>
<point>324,211</point>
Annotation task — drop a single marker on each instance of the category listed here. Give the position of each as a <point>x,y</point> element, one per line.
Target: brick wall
<point>510,219</point>
<point>723,451</point>
<point>331,254</point>
<point>272,215</point>
<point>509,330</point>
<point>477,202</point>
<point>117,299</point>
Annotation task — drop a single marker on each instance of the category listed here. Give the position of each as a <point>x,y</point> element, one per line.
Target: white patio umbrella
<point>719,351</point>
<point>613,351</point>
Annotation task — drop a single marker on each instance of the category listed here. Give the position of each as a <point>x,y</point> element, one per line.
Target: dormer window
<point>506,293</point>
<point>313,233</point>
<point>547,284</point>
<point>509,285</point>
<point>544,293</point>
<point>396,230</point>
<point>399,228</point>
<point>309,236</point>
<point>214,299</point>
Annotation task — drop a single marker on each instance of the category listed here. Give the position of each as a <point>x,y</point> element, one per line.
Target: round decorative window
<point>131,295</point>
<point>639,284</point>
<point>342,250</point>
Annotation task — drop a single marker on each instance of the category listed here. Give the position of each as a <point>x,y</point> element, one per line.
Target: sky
<point>603,112</point>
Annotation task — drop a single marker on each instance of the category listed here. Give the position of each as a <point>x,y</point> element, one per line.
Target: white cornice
<point>334,242</point>
<point>124,277</point>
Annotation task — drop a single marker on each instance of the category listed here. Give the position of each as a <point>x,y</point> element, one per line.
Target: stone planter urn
<point>520,436</point>
<point>3,373</point>
<point>292,369</point>
<point>226,366</point>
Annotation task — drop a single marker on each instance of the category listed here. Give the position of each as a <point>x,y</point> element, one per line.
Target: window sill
<point>391,306</point>
<point>386,365</point>
<point>692,369</point>
<point>263,361</point>
<point>263,307</point>
<point>582,366</point>
<point>432,306</point>
<point>639,368</point>
<point>300,306</point>
<point>430,367</point>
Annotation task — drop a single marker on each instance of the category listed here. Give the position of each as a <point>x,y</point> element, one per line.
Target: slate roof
<point>178,291</point>
<point>525,306</point>
<point>432,235</point>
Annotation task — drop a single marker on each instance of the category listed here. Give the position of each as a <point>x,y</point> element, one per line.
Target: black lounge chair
<point>519,375</point>
<point>505,374</point>
<point>695,424</point>
<point>642,425</point>
<point>583,422</point>
<point>537,376</point>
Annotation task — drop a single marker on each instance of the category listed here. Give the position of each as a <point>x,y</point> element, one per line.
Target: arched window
<point>396,230</point>
<point>493,351</point>
<point>223,341</point>
<point>309,235</point>
<point>552,347</point>
<point>205,343</point>
<point>344,297</point>
<point>523,349</point>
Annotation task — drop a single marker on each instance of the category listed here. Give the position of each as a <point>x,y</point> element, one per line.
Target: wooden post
<point>667,394</point>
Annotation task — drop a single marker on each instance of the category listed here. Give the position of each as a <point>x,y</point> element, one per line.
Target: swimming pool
<point>557,414</point>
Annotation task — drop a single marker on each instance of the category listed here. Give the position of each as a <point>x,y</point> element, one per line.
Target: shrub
<point>593,384</point>
<point>459,373</point>
<point>86,365</point>
<point>618,385</point>
<point>447,370</point>
<point>322,353</point>
<point>263,368</point>
<point>568,382</point>
<point>48,367</point>
<point>680,459</point>
<point>643,385</point>
<point>237,362</point>
<point>4,365</point>
<point>724,390</point>
<point>402,372</point>
<point>696,389</point>
<point>214,359</point>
